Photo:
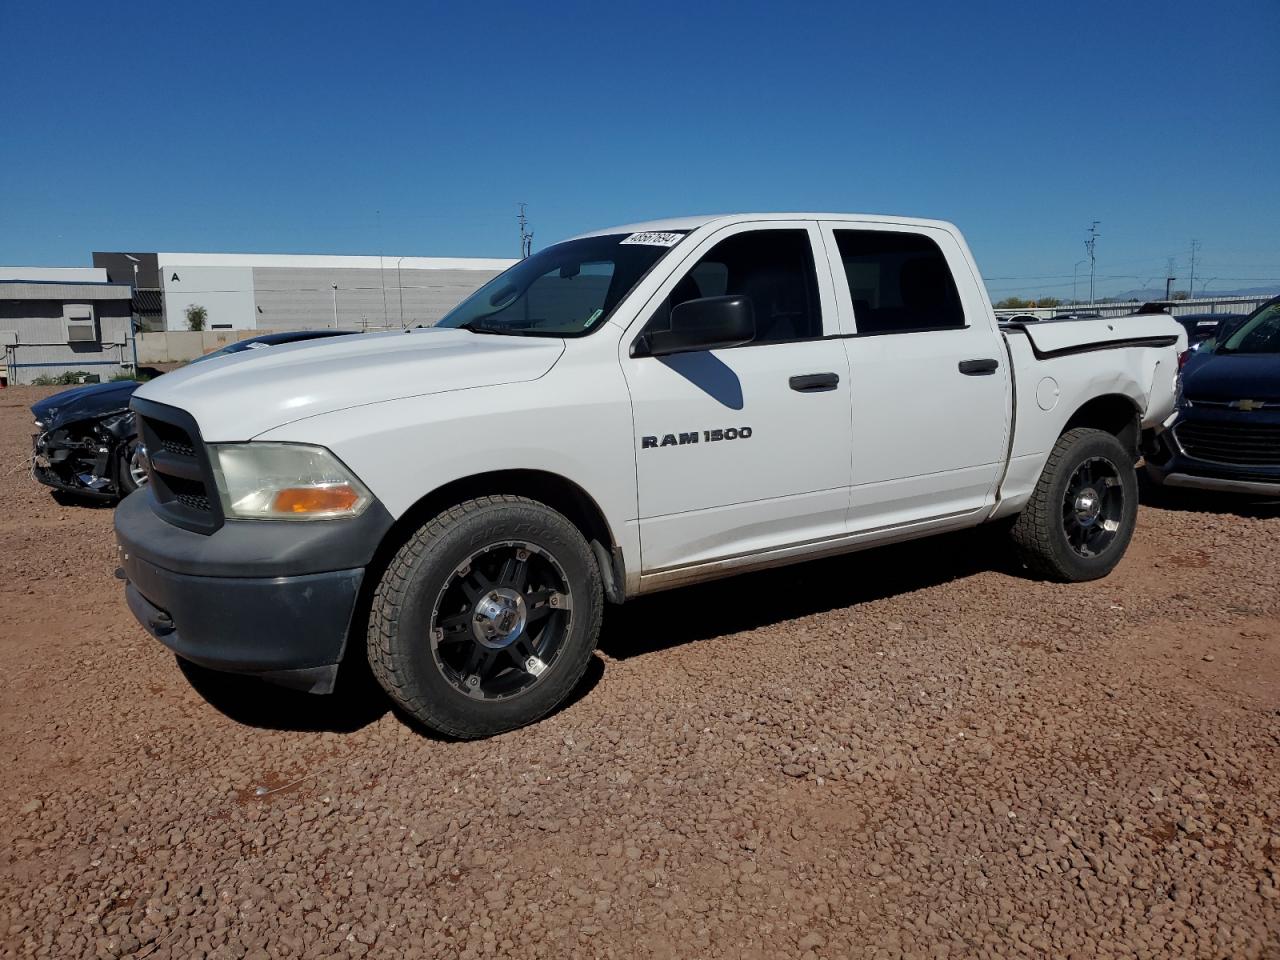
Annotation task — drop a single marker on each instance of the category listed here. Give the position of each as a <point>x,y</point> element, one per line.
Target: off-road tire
<point>1038,533</point>
<point>400,616</point>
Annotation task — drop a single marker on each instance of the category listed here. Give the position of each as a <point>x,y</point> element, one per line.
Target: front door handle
<point>979,368</point>
<point>815,382</point>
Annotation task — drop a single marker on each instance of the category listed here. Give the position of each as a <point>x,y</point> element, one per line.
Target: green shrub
<point>60,379</point>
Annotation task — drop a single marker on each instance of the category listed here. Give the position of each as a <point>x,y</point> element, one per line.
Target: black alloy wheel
<point>1093,506</point>
<point>501,620</point>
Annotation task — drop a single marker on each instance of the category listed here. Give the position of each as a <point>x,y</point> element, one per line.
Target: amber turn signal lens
<point>336,499</point>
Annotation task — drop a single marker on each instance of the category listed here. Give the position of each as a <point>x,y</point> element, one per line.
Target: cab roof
<point>724,219</point>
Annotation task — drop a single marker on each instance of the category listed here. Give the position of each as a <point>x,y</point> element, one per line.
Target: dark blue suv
<point>1227,433</point>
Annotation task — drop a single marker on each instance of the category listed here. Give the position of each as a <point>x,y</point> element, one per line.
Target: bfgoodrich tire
<point>1080,518</point>
<point>486,619</point>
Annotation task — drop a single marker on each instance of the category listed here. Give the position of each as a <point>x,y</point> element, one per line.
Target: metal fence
<point>1175,307</point>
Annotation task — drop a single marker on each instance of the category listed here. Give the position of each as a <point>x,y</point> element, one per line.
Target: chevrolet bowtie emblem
<point>1247,404</point>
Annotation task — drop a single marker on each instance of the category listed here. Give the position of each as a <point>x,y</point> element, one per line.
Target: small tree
<point>196,316</point>
<point>1048,302</point>
<point>1012,303</point>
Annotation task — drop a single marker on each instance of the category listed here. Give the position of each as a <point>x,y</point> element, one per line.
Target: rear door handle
<point>979,368</point>
<point>815,382</point>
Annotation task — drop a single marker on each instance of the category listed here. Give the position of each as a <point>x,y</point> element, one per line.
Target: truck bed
<point>1051,339</point>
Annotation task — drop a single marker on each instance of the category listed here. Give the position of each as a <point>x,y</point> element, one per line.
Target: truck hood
<point>1224,377</point>
<point>84,403</point>
<point>239,396</point>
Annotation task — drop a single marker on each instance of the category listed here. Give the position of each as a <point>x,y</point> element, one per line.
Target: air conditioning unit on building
<point>81,327</point>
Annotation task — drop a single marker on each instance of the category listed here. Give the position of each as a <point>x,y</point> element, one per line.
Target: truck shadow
<point>356,703</point>
<point>1206,501</point>
<point>646,625</point>
<point>753,600</point>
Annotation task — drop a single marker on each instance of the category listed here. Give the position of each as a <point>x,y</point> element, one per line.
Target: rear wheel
<point>1081,516</point>
<point>486,619</point>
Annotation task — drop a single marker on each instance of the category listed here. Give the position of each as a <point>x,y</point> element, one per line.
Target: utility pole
<point>382,272</point>
<point>400,285</point>
<point>1191,285</point>
<point>1168,279</point>
<point>526,235</point>
<point>1075,270</point>
<point>135,321</point>
<point>1091,245</point>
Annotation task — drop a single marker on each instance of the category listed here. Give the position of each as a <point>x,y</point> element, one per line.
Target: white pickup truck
<point>630,410</point>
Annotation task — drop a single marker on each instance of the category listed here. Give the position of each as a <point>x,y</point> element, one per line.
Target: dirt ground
<point>911,752</point>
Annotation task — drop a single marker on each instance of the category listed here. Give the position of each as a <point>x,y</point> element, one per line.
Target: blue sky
<point>416,128</point>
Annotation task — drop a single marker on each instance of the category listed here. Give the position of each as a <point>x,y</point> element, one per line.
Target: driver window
<point>773,267</point>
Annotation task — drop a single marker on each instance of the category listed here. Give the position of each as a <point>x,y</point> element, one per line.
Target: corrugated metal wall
<point>303,298</point>
<point>42,348</point>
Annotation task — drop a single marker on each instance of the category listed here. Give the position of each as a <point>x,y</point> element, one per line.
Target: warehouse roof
<point>324,261</point>
<point>36,290</point>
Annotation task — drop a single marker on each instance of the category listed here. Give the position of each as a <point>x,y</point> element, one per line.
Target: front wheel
<point>133,467</point>
<point>1081,515</point>
<point>487,618</point>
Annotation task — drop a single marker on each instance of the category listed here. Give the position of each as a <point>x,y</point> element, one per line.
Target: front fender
<point>568,424</point>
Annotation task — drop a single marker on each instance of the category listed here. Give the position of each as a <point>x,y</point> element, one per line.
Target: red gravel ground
<point>913,752</point>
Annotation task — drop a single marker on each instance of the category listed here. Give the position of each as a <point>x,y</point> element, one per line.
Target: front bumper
<point>1218,484</point>
<point>55,466</point>
<point>272,599</point>
<point>1171,465</point>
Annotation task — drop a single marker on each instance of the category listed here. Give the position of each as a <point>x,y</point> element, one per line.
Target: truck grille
<point>181,476</point>
<point>172,439</point>
<point>1251,444</point>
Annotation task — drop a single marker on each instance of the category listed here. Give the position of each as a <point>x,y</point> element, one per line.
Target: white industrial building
<point>290,292</point>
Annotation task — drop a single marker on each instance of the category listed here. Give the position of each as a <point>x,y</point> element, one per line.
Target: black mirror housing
<point>708,323</point>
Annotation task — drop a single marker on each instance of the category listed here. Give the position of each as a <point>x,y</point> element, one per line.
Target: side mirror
<point>705,324</point>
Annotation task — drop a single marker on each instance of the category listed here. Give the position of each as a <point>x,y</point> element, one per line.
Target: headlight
<point>285,481</point>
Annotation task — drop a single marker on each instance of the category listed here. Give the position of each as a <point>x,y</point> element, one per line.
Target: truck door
<point>743,449</point>
<point>929,376</point>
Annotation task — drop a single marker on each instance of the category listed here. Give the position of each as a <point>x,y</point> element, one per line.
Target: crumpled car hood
<point>239,396</point>
<point>89,402</point>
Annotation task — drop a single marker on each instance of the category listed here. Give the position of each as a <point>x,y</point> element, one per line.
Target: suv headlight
<point>285,481</point>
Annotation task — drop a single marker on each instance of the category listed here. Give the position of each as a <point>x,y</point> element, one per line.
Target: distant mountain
<point>1157,293</point>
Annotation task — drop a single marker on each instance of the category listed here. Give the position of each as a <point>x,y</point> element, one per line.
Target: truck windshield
<point>1259,334</point>
<point>566,290</point>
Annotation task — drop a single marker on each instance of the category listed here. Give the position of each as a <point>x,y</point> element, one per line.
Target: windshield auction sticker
<point>655,239</point>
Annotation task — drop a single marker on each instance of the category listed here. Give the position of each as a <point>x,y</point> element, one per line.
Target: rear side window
<point>898,282</point>
<point>772,267</point>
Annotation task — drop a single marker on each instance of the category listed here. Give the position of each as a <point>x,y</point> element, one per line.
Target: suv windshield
<point>566,290</point>
<point>1259,334</point>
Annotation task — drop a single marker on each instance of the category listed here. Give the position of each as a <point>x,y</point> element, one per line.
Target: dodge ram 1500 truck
<point>629,410</point>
